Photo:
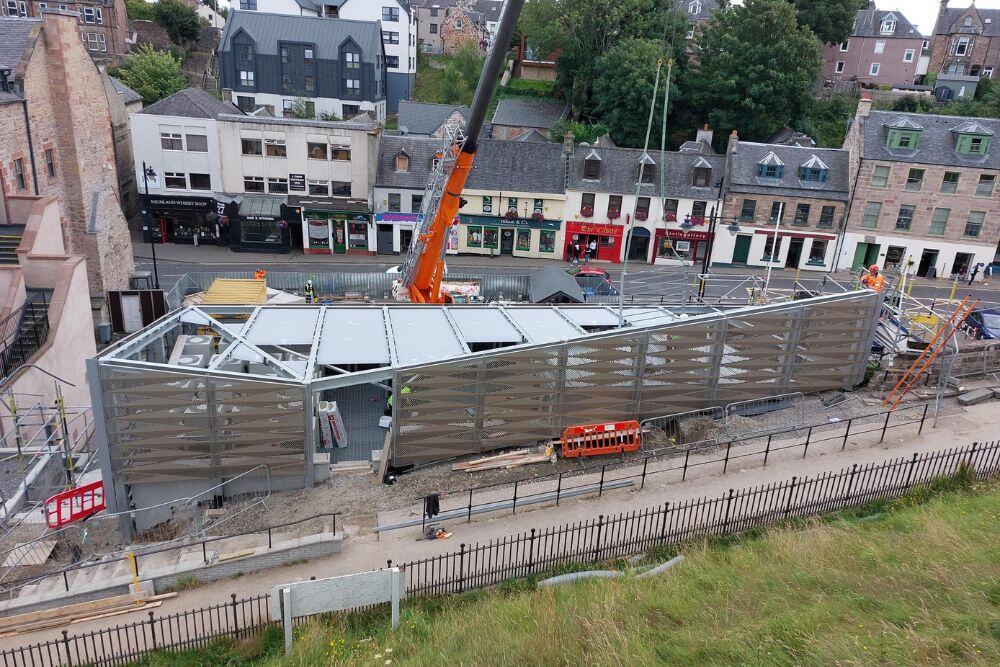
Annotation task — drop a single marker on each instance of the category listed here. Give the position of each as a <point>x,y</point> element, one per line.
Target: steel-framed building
<point>208,392</point>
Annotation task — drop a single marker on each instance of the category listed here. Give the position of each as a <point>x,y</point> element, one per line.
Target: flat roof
<point>283,326</point>
<point>590,317</point>
<point>485,325</point>
<point>423,335</point>
<point>354,336</point>
<point>543,325</point>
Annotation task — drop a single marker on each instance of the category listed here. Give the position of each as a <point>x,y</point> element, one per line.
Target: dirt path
<point>364,550</point>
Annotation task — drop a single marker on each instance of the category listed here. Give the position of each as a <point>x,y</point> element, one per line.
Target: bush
<point>139,10</point>
<point>582,132</point>
<point>531,88</point>
<point>180,21</point>
<point>152,74</point>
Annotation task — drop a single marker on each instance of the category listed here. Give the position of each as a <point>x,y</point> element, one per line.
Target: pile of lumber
<point>79,613</point>
<point>351,468</point>
<point>514,459</point>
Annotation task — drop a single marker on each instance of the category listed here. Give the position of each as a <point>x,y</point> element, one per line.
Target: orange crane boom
<point>423,277</point>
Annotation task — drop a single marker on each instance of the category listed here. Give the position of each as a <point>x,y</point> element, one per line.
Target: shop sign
<point>297,182</point>
<point>690,236</point>
<point>524,223</point>
<point>188,203</point>
<point>410,218</point>
<point>588,228</point>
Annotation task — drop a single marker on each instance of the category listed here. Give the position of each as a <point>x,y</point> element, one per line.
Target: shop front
<point>680,247</point>
<point>607,237</point>
<point>394,231</point>
<point>194,220</point>
<point>262,223</point>
<point>335,226</point>
<point>519,237</point>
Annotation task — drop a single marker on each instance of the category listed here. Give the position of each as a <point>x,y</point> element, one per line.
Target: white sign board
<point>333,433</point>
<point>318,596</point>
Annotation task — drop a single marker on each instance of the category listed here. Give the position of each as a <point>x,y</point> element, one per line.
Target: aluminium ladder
<point>930,353</point>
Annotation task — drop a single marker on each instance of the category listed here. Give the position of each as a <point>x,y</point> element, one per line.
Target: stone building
<point>925,197</point>
<point>884,48</point>
<point>56,141</point>
<point>966,41</point>
<point>463,25</point>
<point>103,24</point>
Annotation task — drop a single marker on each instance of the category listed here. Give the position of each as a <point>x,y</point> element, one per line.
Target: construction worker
<point>874,280</point>
<point>259,274</point>
<point>388,400</point>
<point>310,293</point>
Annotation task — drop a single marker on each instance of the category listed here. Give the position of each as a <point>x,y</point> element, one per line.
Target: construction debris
<point>512,459</point>
<point>351,468</point>
<point>975,396</point>
<point>78,613</point>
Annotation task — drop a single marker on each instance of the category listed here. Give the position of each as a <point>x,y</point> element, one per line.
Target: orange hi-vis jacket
<point>876,282</point>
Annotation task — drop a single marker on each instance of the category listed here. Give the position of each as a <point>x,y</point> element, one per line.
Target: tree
<point>139,10</point>
<point>582,132</point>
<point>152,74</point>
<point>830,20</point>
<point>757,68</point>
<point>624,89</point>
<point>181,22</point>
<point>584,30</point>
<point>461,74</point>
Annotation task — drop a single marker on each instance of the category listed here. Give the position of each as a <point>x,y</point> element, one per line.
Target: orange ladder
<point>930,353</point>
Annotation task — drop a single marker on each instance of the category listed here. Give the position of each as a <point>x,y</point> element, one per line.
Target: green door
<point>742,250</point>
<point>859,256</point>
<point>339,236</point>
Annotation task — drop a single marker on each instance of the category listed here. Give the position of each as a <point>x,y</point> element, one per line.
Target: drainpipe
<point>31,144</point>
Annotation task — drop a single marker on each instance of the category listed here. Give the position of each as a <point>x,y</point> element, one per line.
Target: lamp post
<point>775,246</point>
<point>147,173</point>
<point>713,222</point>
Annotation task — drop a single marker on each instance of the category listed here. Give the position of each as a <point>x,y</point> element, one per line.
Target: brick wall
<point>985,53</point>
<point>453,37</point>
<point>733,207</point>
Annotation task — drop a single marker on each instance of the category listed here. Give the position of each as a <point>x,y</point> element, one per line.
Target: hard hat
<point>309,282</point>
<point>873,268</point>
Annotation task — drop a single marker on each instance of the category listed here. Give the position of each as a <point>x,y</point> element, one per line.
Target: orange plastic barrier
<point>68,506</point>
<point>597,439</point>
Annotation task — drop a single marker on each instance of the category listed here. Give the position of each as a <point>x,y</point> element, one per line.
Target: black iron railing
<point>22,333</point>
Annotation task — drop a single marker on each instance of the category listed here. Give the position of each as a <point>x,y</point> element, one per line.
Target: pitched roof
<point>190,103</point>
<point>743,173</point>
<point>553,282</point>
<point>868,23</point>
<point>327,35</point>
<point>534,135</point>
<point>129,96</point>
<point>989,20</point>
<point>517,166</point>
<point>620,171</point>
<point>528,113</point>
<point>16,38</point>
<point>425,118</point>
<point>937,140</point>
<point>421,151</point>
<point>707,7</point>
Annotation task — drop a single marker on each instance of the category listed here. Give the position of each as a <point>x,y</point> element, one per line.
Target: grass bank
<point>915,581</point>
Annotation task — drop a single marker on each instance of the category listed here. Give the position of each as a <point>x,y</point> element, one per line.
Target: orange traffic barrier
<point>597,439</point>
<point>74,504</point>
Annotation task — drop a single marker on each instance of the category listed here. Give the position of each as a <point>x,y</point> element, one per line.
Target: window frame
<point>950,187</point>
<point>394,202</point>
<point>871,207</point>
<point>169,176</point>
<point>191,182</point>
<point>20,177</point>
<point>876,177</point>
<point>911,211</point>
<point>50,162</point>
<point>280,148</point>
<point>991,179</point>
<point>826,216</point>
<point>277,185</point>
<point>255,180</point>
<point>171,141</point>
<point>313,188</point>
<point>977,225</point>
<point>932,229</point>
<point>915,179</point>
<point>753,210</point>
<point>802,212</point>
<point>187,142</point>
<point>312,148</point>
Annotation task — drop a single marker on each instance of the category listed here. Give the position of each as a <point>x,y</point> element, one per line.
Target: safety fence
<point>536,551</point>
<point>679,460</point>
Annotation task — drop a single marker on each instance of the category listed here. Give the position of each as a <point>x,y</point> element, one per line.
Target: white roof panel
<point>423,335</point>
<point>647,317</point>
<point>591,316</point>
<point>485,325</point>
<point>353,336</point>
<point>542,325</point>
<point>283,326</point>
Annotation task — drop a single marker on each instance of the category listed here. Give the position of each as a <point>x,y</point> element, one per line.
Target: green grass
<point>914,581</point>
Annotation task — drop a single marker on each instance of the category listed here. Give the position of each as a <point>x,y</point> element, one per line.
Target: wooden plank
<point>68,611</point>
<point>383,462</point>
<point>29,553</point>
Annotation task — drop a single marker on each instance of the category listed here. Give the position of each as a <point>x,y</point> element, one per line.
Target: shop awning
<point>332,204</point>
<point>262,207</point>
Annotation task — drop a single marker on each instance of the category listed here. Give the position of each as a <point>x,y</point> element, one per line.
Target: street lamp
<point>713,221</point>
<point>147,173</point>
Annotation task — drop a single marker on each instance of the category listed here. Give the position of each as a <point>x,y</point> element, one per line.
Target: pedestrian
<point>570,252</point>
<point>975,272</point>
<point>576,252</point>
<point>987,273</point>
<point>591,250</point>
<point>874,280</point>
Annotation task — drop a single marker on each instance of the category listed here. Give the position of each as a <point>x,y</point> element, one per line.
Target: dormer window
<point>402,162</point>
<point>694,7</point>
<point>702,173</point>
<point>970,144</point>
<point>813,170</point>
<point>902,133</point>
<point>888,27</point>
<point>592,166</point>
<point>968,22</point>
<point>647,169</point>
<point>770,166</point>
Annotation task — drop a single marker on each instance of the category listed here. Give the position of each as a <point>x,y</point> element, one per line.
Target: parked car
<point>593,281</point>
<point>984,323</point>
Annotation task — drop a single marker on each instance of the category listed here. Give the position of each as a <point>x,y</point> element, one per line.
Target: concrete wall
<point>146,146</point>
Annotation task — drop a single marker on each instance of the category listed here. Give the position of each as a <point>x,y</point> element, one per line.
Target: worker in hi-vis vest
<point>310,292</point>
<point>874,280</point>
<point>388,400</point>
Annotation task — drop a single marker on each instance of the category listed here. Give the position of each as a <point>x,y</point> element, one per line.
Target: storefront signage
<point>397,217</point>
<point>588,228</point>
<point>187,203</point>
<point>297,182</point>
<point>690,236</point>
<point>526,223</point>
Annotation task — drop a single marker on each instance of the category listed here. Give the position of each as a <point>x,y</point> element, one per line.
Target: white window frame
<point>247,78</point>
<point>873,70</point>
<point>962,46</point>
<point>353,84</point>
<point>171,137</point>
<point>88,15</point>
<point>909,55</point>
<point>102,41</point>
<point>887,27</point>
<point>880,46</point>
<point>840,66</point>
<point>925,45</point>
<point>845,45</point>
<point>988,72</point>
<point>324,184</point>
<point>174,174</point>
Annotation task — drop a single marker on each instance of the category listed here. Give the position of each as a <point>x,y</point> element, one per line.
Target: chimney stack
<point>705,134</point>
<point>734,142</point>
<point>568,143</point>
<point>864,106</point>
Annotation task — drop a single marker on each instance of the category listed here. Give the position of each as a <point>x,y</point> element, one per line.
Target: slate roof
<point>950,16</point>
<point>425,118</point>
<point>528,113</point>
<point>129,96</point>
<point>620,172</point>
<point>190,103</point>
<point>937,140</point>
<point>553,281</point>
<point>327,34</point>
<point>707,7</point>
<point>421,151</point>
<point>490,9</point>
<point>869,24</point>
<point>533,135</point>
<point>15,36</point>
<point>518,166</point>
<point>744,179</point>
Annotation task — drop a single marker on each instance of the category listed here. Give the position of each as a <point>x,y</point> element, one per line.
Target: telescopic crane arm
<point>424,281</point>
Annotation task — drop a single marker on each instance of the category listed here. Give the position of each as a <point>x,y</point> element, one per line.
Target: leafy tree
<point>152,74</point>
<point>826,119</point>
<point>181,22</point>
<point>914,104</point>
<point>461,74</point>
<point>139,10</point>
<point>582,132</point>
<point>757,68</point>
<point>624,89</point>
<point>303,108</point>
<point>830,20</point>
<point>584,30</point>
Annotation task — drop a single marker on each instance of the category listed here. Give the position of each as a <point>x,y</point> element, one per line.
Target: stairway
<point>10,239</point>
<point>31,332</point>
